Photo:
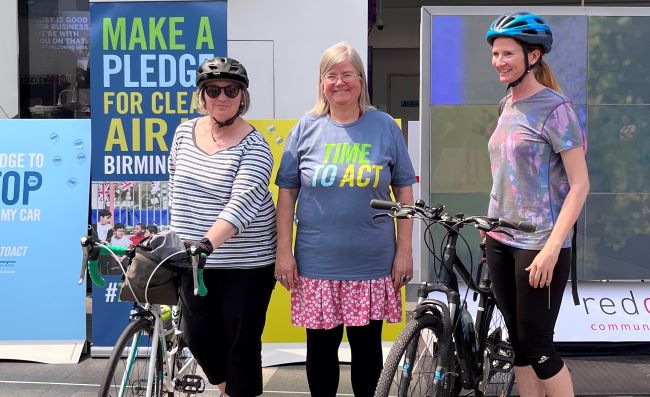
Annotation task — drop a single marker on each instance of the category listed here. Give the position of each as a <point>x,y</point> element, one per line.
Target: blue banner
<point>110,315</point>
<point>44,182</point>
<point>143,65</point>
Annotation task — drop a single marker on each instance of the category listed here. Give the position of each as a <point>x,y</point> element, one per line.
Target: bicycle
<point>150,357</point>
<point>441,351</point>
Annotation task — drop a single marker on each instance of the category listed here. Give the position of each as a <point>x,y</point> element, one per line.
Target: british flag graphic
<point>104,192</point>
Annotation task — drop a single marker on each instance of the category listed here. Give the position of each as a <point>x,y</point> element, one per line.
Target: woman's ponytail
<point>545,76</point>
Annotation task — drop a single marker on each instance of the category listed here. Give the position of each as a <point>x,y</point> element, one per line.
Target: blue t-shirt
<point>529,179</point>
<point>339,169</point>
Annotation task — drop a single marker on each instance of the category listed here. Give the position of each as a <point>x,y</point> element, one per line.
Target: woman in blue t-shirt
<point>540,175</point>
<point>347,269</point>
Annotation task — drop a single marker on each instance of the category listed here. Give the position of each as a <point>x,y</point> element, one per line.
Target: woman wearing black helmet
<point>540,175</point>
<point>220,168</point>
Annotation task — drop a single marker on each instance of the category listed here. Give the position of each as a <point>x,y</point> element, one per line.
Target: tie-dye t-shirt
<point>529,180</point>
<point>339,169</point>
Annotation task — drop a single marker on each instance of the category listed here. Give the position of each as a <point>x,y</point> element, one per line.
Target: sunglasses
<point>214,91</point>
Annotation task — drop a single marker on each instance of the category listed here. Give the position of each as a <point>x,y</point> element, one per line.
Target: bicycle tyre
<point>136,385</point>
<point>419,340</point>
<point>501,383</point>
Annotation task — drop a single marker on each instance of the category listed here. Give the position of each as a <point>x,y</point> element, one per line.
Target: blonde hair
<point>544,75</point>
<point>199,100</point>
<point>340,52</point>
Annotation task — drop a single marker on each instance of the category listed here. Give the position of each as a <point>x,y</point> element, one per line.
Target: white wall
<point>9,66</point>
<point>299,30</point>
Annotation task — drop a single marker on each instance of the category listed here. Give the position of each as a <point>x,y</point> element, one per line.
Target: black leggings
<point>323,359</point>
<point>224,328</point>
<point>530,313</point>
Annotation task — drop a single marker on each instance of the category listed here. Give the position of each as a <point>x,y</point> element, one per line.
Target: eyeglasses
<point>214,91</point>
<point>345,77</point>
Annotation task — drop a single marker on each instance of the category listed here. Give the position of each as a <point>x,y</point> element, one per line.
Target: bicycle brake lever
<point>85,247</point>
<point>404,214</point>
<point>504,232</point>
<point>383,215</point>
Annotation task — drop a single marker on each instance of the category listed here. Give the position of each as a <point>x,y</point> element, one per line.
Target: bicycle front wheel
<point>126,374</point>
<point>411,364</point>
<point>500,380</point>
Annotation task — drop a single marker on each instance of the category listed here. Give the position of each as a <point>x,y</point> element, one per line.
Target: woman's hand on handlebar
<point>402,271</point>
<point>204,245</point>
<point>286,269</point>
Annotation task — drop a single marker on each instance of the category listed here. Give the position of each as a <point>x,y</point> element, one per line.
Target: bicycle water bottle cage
<point>193,384</point>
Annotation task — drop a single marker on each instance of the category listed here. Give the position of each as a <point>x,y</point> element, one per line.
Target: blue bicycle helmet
<point>523,26</point>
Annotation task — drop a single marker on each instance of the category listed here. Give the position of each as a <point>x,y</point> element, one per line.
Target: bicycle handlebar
<point>91,252</point>
<point>484,223</point>
<point>197,271</point>
<point>384,205</point>
<point>524,226</point>
<point>92,249</point>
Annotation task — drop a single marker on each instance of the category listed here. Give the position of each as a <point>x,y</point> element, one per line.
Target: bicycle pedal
<point>502,357</point>
<point>193,384</point>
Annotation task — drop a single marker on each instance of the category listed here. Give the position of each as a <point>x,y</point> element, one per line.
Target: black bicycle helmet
<point>221,69</point>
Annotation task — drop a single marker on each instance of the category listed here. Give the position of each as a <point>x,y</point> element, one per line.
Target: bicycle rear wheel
<point>411,364</point>
<point>127,369</point>
<point>500,381</point>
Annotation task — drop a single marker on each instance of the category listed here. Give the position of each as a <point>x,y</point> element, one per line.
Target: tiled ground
<point>593,376</point>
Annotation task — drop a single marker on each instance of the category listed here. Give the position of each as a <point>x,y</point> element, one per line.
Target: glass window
<point>619,144</point>
<point>618,65</point>
<point>616,236</point>
<point>461,68</point>
<point>53,60</point>
<point>609,86</point>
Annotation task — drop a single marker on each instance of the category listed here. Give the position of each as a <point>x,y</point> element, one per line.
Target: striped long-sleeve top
<point>232,185</point>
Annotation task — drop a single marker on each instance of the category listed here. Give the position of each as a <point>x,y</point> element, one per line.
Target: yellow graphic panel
<point>278,327</point>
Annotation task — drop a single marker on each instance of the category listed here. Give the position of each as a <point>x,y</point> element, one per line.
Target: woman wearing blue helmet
<point>540,175</point>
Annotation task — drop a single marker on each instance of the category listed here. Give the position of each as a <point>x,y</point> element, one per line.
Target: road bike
<point>442,351</point>
<point>150,357</point>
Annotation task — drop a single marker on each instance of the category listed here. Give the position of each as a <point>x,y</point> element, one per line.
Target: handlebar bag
<point>163,287</point>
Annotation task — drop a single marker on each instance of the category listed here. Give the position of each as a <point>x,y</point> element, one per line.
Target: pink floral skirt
<point>324,304</point>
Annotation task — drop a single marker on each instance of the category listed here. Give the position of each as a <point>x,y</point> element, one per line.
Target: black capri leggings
<point>224,328</point>
<point>530,313</point>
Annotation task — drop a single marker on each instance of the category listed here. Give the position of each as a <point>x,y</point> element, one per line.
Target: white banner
<point>608,312</point>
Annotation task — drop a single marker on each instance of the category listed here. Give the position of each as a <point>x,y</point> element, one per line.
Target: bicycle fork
<point>133,356</point>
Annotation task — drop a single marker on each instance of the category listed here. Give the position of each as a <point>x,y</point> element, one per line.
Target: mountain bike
<point>441,351</point>
<point>150,357</point>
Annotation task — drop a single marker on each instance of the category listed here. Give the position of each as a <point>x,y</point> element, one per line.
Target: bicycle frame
<point>467,346</point>
<point>174,377</point>
<point>460,353</point>
<point>173,374</point>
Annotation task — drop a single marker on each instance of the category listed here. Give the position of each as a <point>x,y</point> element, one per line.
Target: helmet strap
<point>228,122</point>
<point>527,68</point>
